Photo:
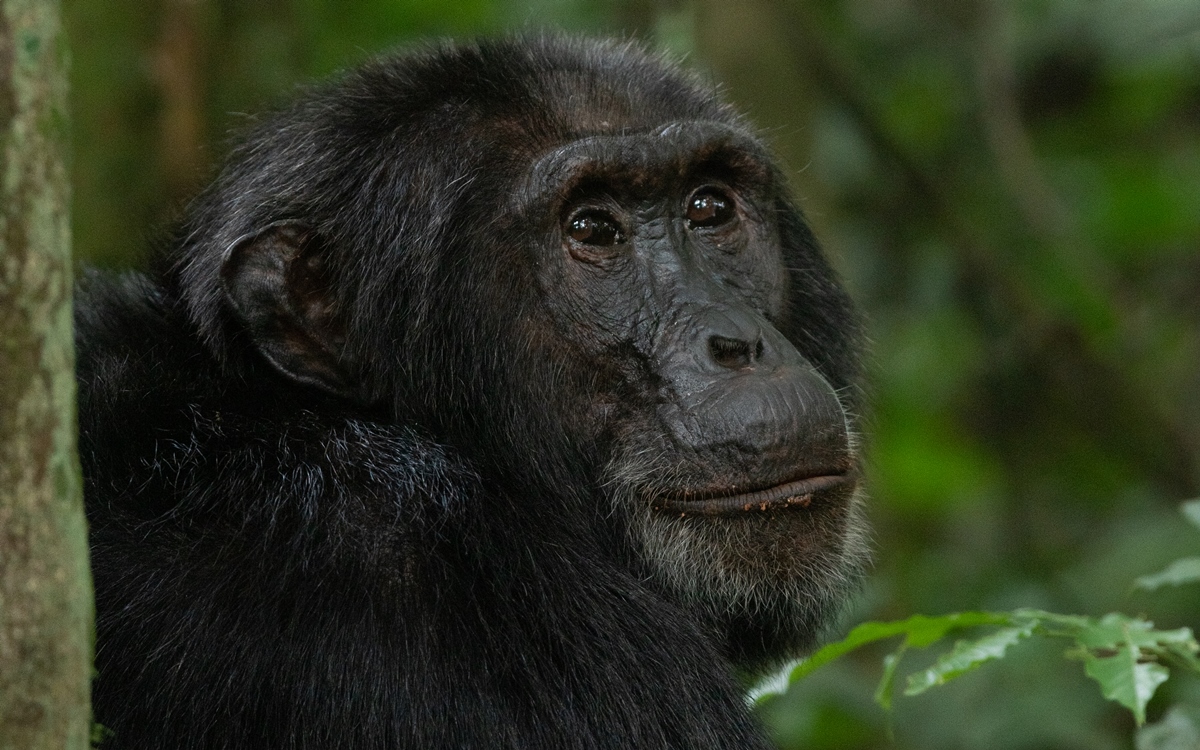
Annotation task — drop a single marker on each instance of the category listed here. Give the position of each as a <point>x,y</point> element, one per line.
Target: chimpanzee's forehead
<point>614,100</point>
<point>648,161</point>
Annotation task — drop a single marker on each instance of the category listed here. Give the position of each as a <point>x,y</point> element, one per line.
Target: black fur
<point>415,544</point>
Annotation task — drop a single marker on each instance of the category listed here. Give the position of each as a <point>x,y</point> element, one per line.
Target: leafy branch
<point>1126,655</point>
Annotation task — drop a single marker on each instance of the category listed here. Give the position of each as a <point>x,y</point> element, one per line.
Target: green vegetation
<point>1127,656</point>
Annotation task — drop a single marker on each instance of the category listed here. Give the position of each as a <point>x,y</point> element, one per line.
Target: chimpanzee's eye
<point>709,207</point>
<point>596,228</point>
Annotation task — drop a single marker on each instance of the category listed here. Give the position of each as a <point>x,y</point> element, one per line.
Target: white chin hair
<point>792,566</point>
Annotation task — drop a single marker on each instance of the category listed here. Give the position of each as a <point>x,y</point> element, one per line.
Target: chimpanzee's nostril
<point>734,353</point>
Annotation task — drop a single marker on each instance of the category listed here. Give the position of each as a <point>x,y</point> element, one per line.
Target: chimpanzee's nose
<point>735,339</point>
<point>735,353</point>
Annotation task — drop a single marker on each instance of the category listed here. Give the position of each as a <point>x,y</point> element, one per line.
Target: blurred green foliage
<point>1127,656</point>
<point>1011,189</point>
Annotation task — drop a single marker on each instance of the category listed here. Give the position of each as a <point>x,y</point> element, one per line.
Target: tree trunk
<point>45,586</point>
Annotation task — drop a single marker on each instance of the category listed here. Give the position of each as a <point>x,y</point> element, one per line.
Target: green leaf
<point>919,631</point>
<point>1125,680</point>
<point>1053,623</point>
<point>1191,511</point>
<point>922,631</point>
<point>968,656</point>
<point>1186,570</point>
<point>887,683</point>
<point>1183,654</point>
<point>1120,652</point>
<point>1115,630</point>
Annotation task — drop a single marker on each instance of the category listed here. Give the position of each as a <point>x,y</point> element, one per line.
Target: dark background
<point>1010,188</point>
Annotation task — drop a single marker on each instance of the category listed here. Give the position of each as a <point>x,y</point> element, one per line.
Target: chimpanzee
<point>494,395</point>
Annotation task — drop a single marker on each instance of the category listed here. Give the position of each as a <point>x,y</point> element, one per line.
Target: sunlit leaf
<point>1120,652</point>
<point>887,683</point>
<point>1115,630</point>
<point>1053,622</point>
<point>1125,680</point>
<point>919,631</point>
<point>1186,570</point>
<point>967,656</point>
<point>1191,511</point>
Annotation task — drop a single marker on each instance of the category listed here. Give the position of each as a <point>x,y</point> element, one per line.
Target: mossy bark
<point>45,587</point>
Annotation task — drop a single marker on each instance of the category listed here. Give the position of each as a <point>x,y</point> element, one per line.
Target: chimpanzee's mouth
<point>798,493</point>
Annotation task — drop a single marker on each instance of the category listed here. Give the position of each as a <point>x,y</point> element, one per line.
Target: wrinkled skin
<point>736,434</point>
<point>492,396</point>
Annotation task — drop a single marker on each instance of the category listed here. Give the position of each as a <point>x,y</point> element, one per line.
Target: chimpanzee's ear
<point>276,282</point>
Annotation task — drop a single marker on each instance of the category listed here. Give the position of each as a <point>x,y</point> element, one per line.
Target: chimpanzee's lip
<point>798,493</point>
